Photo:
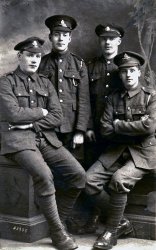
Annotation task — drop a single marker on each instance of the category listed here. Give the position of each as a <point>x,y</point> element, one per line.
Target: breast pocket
<point>42,98</point>
<point>96,84</point>
<point>73,79</point>
<point>22,97</point>
<point>138,112</point>
<point>119,113</point>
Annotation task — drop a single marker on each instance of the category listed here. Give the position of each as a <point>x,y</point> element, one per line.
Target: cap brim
<point>110,34</point>
<point>33,50</point>
<point>60,28</point>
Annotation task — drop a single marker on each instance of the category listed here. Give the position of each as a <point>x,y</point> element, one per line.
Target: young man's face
<point>130,77</point>
<point>60,40</point>
<point>109,45</point>
<point>29,61</point>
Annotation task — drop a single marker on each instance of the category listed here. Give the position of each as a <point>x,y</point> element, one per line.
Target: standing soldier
<point>29,113</point>
<point>103,80</point>
<point>68,74</point>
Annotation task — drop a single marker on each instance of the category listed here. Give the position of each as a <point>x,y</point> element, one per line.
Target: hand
<point>115,121</point>
<point>45,112</point>
<point>91,136</point>
<point>78,138</point>
<point>145,117</point>
<point>25,126</point>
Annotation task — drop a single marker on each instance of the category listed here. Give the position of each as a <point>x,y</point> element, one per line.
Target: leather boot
<point>125,227</point>
<point>62,240</point>
<point>106,240</point>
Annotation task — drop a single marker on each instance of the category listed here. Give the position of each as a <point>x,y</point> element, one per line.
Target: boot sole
<point>105,248</point>
<point>126,232</point>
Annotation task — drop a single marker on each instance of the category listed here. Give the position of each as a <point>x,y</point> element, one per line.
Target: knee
<point>92,186</point>
<point>44,184</point>
<point>79,178</point>
<point>119,183</point>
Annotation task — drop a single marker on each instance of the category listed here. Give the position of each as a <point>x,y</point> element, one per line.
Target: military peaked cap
<point>109,30</point>
<point>128,59</point>
<point>61,23</point>
<point>31,44</point>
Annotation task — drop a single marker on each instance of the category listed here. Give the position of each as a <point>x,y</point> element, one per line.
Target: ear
<point>139,73</point>
<point>19,55</point>
<point>50,37</point>
<point>119,40</point>
<point>70,37</point>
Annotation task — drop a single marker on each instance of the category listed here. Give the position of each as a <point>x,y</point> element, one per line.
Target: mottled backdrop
<point>20,19</point>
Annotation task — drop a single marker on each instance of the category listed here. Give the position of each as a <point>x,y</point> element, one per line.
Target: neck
<point>109,56</point>
<point>60,52</point>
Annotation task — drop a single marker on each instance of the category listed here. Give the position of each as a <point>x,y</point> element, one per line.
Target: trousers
<point>51,168</point>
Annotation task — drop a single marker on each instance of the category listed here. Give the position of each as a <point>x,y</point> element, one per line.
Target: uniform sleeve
<point>54,117</point>
<point>84,109</point>
<point>144,126</point>
<point>10,109</point>
<point>106,122</point>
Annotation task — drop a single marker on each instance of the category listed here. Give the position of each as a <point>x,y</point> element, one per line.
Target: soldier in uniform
<point>103,79</point>
<point>129,123</point>
<point>68,74</point>
<point>29,113</point>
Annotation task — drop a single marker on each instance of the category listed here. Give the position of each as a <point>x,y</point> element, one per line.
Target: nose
<point>107,40</point>
<point>128,73</point>
<point>61,37</point>
<point>34,60</point>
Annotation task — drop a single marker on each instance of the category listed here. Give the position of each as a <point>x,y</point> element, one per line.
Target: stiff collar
<point>132,92</point>
<point>24,76</point>
<point>103,59</point>
<point>55,54</point>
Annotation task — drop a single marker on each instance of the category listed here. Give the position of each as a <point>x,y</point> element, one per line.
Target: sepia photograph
<point>78,124</point>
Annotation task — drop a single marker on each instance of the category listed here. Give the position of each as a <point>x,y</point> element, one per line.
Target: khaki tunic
<point>134,130</point>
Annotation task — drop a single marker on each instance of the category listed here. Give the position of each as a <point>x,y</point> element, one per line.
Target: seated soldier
<point>129,123</point>
<point>29,113</point>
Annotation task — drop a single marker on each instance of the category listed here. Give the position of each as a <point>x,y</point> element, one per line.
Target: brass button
<point>61,100</point>
<point>60,90</point>
<point>60,60</point>
<point>31,90</point>
<point>107,86</point>
<point>60,80</point>
<point>128,108</point>
<point>108,74</point>
<point>60,70</point>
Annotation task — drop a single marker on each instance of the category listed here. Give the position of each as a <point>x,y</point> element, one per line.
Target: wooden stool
<point>141,209</point>
<point>20,217</point>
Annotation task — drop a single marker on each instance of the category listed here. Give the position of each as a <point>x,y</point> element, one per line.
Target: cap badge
<point>63,24</point>
<point>125,57</point>
<point>35,44</point>
<point>107,28</point>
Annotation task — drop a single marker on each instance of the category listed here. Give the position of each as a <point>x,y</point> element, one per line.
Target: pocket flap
<point>72,74</point>
<point>138,110</point>
<point>42,92</point>
<point>94,77</point>
<point>21,92</point>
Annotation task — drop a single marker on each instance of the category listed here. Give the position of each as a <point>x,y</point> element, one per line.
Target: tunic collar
<point>132,92</point>
<point>58,55</point>
<point>24,76</point>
